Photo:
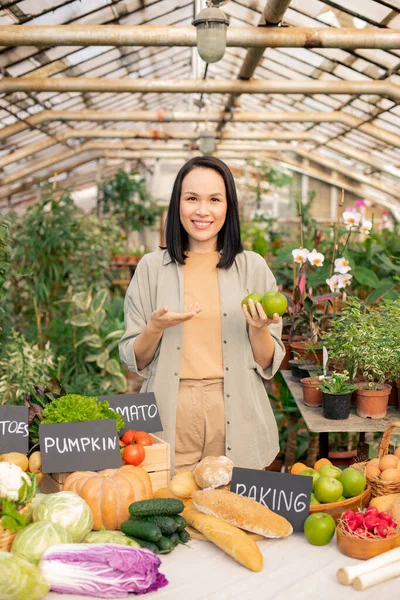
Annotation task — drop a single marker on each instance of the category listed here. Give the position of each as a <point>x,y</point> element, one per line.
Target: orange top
<point>202,335</point>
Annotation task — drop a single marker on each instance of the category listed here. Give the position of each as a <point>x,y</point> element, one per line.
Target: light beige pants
<point>200,421</point>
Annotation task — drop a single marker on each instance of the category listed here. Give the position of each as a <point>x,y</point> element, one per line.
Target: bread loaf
<point>242,512</point>
<point>183,484</point>
<point>213,471</point>
<point>228,538</point>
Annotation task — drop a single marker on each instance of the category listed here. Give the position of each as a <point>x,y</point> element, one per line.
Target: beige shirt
<point>251,431</point>
<point>202,335</point>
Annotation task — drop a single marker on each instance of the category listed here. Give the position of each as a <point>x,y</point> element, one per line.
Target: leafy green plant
<point>337,383</point>
<point>126,198</point>
<point>24,365</point>
<point>365,341</point>
<point>89,321</point>
<point>74,407</point>
<point>36,400</point>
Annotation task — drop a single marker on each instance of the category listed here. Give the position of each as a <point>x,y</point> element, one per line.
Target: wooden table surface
<point>317,423</point>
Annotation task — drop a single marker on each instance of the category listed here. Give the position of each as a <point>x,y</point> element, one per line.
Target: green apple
<point>313,500</point>
<point>255,296</point>
<point>310,473</point>
<point>274,302</point>
<point>319,528</point>
<point>330,471</point>
<point>341,498</point>
<point>353,482</point>
<point>328,489</point>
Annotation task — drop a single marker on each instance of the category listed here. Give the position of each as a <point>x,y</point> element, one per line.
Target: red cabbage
<point>101,570</point>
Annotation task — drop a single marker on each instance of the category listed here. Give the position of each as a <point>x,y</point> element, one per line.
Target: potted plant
<point>364,340</point>
<point>336,395</point>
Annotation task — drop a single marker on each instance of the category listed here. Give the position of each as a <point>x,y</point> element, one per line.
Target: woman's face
<point>203,207</point>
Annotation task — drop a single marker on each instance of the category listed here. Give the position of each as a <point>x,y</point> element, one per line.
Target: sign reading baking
<point>79,446</point>
<point>285,494</point>
<point>14,434</point>
<point>139,411</point>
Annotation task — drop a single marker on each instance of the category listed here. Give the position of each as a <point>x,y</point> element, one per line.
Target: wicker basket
<point>379,487</point>
<point>7,536</point>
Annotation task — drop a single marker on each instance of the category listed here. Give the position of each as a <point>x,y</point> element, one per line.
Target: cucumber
<point>180,521</point>
<point>184,536</point>
<point>165,545</point>
<point>156,506</point>
<point>142,530</point>
<point>175,539</point>
<point>167,525</point>
<point>144,544</point>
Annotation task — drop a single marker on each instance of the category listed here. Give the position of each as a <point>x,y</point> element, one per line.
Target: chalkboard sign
<point>83,446</point>
<point>14,434</point>
<point>139,411</point>
<point>285,494</point>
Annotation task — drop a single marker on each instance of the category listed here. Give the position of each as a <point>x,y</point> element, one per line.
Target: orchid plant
<point>305,309</point>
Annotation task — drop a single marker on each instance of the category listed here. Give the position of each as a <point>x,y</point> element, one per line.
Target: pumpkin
<point>109,493</point>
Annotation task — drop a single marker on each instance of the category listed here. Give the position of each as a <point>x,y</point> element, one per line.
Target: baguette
<point>242,512</point>
<point>232,541</point>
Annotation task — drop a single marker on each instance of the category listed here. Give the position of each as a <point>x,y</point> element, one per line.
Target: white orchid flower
<point>351,218</point>
<point>344,280</point>
<point>342,265</point>
<point>316,258</point>
<point>333,283</point>
<point>366,227</point>
<point>300,255</point>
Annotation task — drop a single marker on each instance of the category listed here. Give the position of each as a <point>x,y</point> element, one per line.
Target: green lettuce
<point>74,407</point>
<point>20,580</point>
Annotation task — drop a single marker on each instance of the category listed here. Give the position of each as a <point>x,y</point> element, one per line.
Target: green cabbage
<point>19,580</point>
<point>109,537</point>
<point>30,543</point>
<point>68,510</point>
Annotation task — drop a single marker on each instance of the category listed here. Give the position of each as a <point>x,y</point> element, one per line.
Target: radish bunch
<point>369,523</point>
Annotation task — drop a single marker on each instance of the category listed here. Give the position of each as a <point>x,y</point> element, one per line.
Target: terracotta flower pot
<point>398,392</point>
<point>342,457</point>
<point>311,394</point>
<point>306,351</point>
<point>285,363</point>
<point>372,403</point>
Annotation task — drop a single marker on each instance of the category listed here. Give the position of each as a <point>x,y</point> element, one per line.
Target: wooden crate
<point>157,463</point>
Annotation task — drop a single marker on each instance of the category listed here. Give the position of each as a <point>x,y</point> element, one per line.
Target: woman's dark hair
<point>229,241</point>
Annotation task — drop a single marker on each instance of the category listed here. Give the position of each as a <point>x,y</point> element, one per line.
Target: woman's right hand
<point>161,318</point>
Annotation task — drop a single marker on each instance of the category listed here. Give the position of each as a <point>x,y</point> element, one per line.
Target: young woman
<point>202,354</point>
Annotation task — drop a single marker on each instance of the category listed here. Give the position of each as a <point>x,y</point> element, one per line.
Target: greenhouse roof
<point>353,136</point>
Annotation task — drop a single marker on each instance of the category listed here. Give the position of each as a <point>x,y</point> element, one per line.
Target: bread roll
<point>183,484</point>
<point>231,540</point>
<point>212,472</point>
<point>242,512</point>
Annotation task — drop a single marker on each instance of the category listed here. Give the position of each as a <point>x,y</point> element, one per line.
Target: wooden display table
<point>316,423</point>
<point>293,569</point>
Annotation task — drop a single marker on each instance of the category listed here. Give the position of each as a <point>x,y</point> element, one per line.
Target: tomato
<point>128,437</point>
<point>133,454</point>
<point>141,437</point>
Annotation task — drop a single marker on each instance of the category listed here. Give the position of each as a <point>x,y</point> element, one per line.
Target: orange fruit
<point>297,467</point>
<point>320,462</point>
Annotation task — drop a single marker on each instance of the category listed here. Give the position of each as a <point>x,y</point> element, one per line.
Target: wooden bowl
<point>363,549</point>
<point>336,509</point>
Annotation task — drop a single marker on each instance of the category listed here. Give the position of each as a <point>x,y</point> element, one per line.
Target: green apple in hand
<point>274,302</point>
<point>255,296</point>
<point>319,528</point>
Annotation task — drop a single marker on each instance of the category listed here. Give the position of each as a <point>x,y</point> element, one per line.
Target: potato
<point>16,458</point>
<point>35,462</point>
<point>384,503</point>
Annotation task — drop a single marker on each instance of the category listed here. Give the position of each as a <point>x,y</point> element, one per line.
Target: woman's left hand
<point>256,317</point>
